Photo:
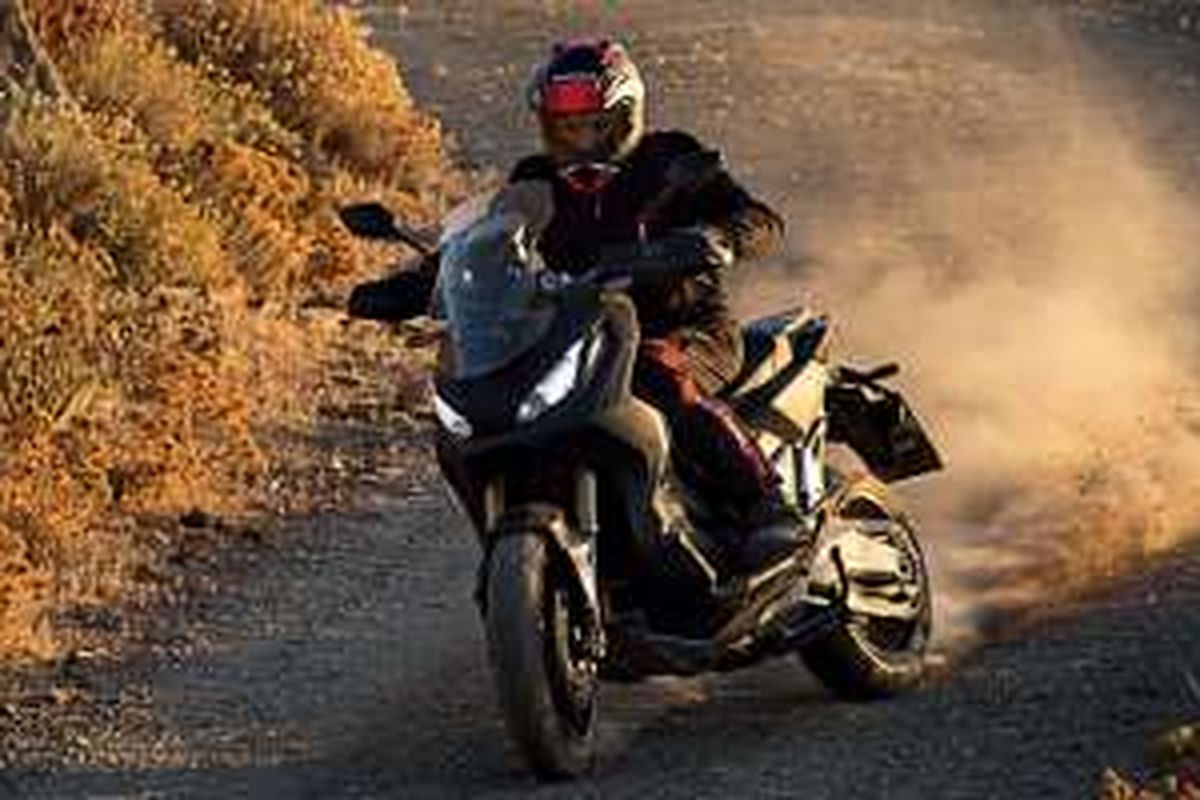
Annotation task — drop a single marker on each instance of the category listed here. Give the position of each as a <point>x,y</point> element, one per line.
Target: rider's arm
<point>677,253</point>
<point>752,227</point>
<point>704,230</point>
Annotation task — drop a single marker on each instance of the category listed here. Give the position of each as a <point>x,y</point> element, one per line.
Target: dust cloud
<point>971,195</point>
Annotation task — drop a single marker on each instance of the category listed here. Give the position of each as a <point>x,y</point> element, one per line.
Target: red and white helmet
<point>594,82</point>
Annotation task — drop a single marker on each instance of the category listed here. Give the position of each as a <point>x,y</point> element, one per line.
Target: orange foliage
<point>64,25</point>
<point>313,69</point>
<point>159,226</point>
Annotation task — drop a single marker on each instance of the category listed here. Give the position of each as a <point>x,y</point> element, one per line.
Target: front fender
<point>574,549</point>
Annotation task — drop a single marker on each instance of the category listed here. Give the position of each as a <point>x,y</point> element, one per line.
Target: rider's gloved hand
<point>398,297</point>
<point>677,253</point>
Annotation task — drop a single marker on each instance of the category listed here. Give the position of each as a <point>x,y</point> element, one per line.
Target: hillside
<point>170,270</point>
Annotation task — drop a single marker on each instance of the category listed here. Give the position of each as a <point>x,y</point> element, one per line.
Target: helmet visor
<point>573,95</point>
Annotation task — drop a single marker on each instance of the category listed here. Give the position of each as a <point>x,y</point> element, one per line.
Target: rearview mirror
<point>370,221</point>
<point>374,221</point>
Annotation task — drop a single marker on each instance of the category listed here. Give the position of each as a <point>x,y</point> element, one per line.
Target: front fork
<point>574,546</point>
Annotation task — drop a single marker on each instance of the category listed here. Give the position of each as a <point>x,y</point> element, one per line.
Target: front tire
<point>546,685</point>
<point>869,657</point>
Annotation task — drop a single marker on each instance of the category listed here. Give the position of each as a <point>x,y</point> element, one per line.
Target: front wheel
<point>546,680</point>
<point>873,656</point>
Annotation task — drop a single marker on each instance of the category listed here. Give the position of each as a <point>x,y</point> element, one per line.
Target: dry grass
<point>312,69</point>
<point>159,229</point>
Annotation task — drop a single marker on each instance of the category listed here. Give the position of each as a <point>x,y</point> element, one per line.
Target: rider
<point>608,177</point>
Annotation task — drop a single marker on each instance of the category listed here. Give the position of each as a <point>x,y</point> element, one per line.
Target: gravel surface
<point>343,658</point>
<point>350,665</point>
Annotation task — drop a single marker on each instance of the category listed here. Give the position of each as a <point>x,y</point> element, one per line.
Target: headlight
<point>554,387</point>
<point>450,419</point>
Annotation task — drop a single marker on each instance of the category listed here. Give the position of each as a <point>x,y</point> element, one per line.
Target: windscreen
<point>488,290</point>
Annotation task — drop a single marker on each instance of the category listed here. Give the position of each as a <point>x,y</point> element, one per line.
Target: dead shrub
<point>193,166</point>
<point>314,70</point>
<point>91,175</point>
<point>63,26</point>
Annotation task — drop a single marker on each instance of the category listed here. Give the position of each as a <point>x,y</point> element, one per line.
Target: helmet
<point>590,101</point>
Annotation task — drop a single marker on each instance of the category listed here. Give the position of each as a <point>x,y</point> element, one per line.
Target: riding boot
<point>774,530</point>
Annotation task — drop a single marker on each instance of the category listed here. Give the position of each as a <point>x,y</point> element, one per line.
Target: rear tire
<point>547,690</point>
<point>870,658</point>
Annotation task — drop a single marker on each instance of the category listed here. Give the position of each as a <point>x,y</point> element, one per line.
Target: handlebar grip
<point>393,299</point>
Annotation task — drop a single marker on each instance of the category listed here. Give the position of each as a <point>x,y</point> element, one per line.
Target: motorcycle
<point>600,560</point>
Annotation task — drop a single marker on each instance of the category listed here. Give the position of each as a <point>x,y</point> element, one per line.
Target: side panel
<point>799,463</point>
<point>802,401</point>
<point>791,408</point>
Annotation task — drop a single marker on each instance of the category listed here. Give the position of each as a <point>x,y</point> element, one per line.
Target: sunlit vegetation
<point>161,224</point>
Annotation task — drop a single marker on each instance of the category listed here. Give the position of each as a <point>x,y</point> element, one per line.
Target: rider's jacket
<point>587,227</point>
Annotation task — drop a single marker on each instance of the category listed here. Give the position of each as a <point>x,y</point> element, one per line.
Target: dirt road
<point>346,660</point>
<point>350,665</point>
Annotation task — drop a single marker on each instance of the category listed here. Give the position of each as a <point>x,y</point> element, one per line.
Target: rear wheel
<point>546,680</point>
<point>878,656</point>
